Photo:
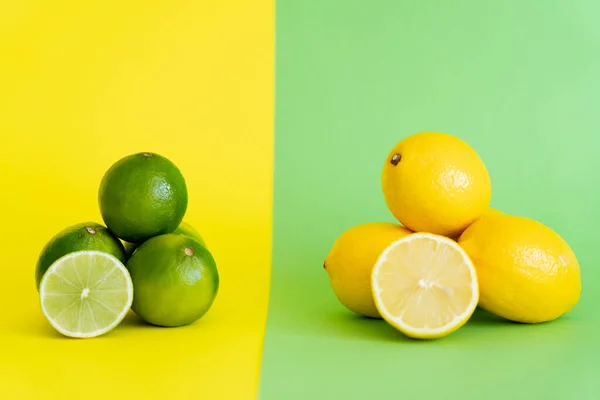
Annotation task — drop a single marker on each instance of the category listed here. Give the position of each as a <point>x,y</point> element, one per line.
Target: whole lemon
<point>351,260</point>
<point>490,211</point>
<point>527,272</point>
<point>434,182</point>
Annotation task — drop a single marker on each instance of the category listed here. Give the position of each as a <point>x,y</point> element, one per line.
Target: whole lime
<point>141,196</point>
<point>175,280</point>
<point>84,236</point>
<point>183,229</point>
<point>186,229</point>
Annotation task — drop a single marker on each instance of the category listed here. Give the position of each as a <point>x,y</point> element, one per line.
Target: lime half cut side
<point>86,293</point>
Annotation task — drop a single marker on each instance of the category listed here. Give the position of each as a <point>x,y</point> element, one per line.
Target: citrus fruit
<point>491,211</point>
<point>175,280</point>
<point>86,293</point>
<point>183,229</point>
<point>186,229</point>
<point>141,196</point>
<point>84,236</point>
<point>527,272</point>
<point>488,212</point>
<point>434,182</point>
<point>425,286</point>
<point>351,260</point>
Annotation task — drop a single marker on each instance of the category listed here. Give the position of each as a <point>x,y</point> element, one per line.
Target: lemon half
<point>425,286</point>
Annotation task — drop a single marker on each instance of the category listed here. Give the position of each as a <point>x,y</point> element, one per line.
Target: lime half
<point>86,293</point>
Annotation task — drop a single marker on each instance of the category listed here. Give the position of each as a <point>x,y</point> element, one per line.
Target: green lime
<point>175,280</point>
<point>85,236</point>
<point>186,229</point>
<point>183,229</point>
<point>86,293</point>
<point>141,196</point>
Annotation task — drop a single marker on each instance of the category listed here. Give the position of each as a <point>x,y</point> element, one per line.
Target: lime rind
<point>86,294</point>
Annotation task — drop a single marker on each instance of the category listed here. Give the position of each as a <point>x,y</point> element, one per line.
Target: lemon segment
<point>425,286</point>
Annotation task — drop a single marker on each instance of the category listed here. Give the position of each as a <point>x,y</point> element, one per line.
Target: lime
<point>175,280</point>
<point>186,229</point>
<point>183,229</point>
<point>85,236</point>
<point>141,196</point>
<point>86,293</point>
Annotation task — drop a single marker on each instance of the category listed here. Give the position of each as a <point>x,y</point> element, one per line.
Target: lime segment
<point>86,293</point>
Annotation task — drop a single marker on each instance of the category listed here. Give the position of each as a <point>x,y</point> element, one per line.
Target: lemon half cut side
<point>425,286</point>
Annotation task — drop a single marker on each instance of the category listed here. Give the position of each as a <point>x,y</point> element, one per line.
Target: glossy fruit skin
<point>83,236</point>
<point>351,260</point>
<point>490,211</point>
<point>183,229</point>
<point>141,196</point>
<point>175,280</point>
<point>527,272</point>
<point>434,182</point>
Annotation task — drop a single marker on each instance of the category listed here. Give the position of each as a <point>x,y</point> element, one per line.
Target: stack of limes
<point>450,251</point>
<point>88,279</point>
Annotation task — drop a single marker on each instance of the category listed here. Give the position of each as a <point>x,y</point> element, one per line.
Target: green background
<point>518,80</point>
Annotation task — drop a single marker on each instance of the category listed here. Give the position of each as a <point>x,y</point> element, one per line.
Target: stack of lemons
<point>451,252</point>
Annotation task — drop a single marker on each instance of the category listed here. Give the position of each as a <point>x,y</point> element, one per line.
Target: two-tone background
<point>280,116</point>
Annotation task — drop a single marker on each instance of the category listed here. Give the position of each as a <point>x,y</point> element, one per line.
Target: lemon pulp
<point>425,285</point>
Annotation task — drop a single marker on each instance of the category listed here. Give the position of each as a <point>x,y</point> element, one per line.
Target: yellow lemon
<point>425,286</point>
<point>492,211</point>
<point>527,272</point>
<point>488,212</point>
<point>434,182</point>
<point>351,260</point>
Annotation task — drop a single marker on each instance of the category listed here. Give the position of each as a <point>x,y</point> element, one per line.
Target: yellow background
<point>84,83</point>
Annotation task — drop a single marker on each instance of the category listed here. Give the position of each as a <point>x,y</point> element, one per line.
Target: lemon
<point>434,182</point>
<point>84,236</point>
<point>490,211</point>
<point>425,286</point>
<point>175,280</point>
<point>527,272</point>
<point>351,260</point>
<point>141,196</point>
<point>183,229</point>
<point>86,293</point>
